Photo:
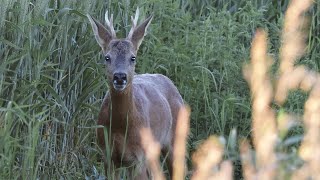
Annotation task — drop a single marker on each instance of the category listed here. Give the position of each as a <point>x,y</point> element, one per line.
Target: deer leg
<point>167,153</point>
<point>142,175</point>
<point>110,171</point>
<point>138,172</point>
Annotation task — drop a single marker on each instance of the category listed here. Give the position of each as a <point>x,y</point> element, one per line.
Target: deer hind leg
<point>138,172</point>
<point>110,171</point>
<point>167,153</point>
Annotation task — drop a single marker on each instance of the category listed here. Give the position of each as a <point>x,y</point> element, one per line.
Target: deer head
<point>120,54</point>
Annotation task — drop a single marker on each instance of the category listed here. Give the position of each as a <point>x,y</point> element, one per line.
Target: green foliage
<point>52,76</point>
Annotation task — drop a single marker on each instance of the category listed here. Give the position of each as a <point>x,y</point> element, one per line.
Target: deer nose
<point>119,78</point>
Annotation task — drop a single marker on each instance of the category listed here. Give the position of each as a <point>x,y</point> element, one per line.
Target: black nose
<point>119,78</point>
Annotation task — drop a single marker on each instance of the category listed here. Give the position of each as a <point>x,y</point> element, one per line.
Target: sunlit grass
<point>52,75</point>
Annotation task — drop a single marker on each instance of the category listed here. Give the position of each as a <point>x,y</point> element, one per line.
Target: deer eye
<point>133,59</point>
<point>107,58</point>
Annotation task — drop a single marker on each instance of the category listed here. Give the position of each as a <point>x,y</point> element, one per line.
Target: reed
<point>52,84</point>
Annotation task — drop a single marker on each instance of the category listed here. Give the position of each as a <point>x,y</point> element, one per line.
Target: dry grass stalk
<point>225,172</point>
<point>152,149</point>
<point>310,147</point>
<point>299,77</point>
<point>207,157</point>
<point>292,48</point>
<point>249,170</point>
<point>309,150</point>
<point>292,36</point>
<point>180,144</point>
<point>291,77</point>
<point>263,117</point>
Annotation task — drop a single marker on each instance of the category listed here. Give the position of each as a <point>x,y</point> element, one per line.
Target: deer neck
<point>122,108</point>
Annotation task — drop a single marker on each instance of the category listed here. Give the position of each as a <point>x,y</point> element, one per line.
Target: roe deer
<point>133,101</point>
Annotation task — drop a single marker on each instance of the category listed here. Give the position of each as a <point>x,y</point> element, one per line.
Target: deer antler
<point>134,23</point>
<point>110,24</point>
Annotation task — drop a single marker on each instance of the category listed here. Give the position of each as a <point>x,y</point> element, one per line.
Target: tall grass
<point>52,76</point>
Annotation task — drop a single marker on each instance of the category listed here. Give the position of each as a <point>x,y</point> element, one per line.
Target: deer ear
<point>139,32</point>
<point>102,35</point>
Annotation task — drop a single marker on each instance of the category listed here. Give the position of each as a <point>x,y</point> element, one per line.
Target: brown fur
<point>149,100</point>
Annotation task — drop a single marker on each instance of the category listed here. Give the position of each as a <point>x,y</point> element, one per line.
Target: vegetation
<point>52,76</point>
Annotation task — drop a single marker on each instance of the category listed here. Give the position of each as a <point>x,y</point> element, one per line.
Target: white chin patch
<point>119,87</point>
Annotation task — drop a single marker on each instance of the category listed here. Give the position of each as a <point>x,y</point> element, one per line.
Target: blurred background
<point>52,76</point>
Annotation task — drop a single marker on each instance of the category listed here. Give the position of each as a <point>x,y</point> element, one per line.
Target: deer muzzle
<point>119,81</point>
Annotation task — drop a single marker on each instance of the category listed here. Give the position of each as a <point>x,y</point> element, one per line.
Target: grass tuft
<point>52,77</point>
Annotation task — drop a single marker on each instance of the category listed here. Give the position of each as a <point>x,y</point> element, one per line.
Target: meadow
<point>52,77</point>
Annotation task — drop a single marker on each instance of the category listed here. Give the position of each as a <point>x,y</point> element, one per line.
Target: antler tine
<point>134,22</point>
<point>110,24</point>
